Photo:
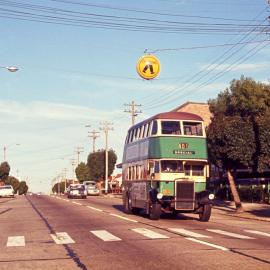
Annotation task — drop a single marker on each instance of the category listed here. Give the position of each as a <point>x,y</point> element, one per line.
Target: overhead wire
<point>82,19</point>
<point>190,81</point>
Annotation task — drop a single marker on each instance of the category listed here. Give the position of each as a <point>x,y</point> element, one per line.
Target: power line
<point>203,73</point>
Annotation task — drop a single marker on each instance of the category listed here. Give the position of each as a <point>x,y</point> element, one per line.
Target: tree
<point>59,188</point>
<point>96,164</point>
<point>14,182</point>
<point>23,188</point>
<point>83,172</point>
<point>4,171</point>
<point>237,135</point>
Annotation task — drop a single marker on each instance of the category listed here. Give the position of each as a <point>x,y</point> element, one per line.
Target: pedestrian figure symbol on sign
<point>148,67</point>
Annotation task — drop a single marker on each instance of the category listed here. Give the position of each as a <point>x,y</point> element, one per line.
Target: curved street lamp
<point>11,68</point>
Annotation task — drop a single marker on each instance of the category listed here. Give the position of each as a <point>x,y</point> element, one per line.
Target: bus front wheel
<point>154,211</point>
<point>205,214</point>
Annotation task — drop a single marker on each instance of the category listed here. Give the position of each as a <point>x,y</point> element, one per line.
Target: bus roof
<point>172,116</point>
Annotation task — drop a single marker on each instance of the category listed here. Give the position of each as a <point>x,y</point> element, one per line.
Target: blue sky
<point>71,76</point>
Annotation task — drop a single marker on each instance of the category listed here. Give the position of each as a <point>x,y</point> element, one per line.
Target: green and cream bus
<point>165,166</point>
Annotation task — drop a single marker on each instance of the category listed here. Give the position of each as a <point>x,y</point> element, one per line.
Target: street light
<point>11,68</point>
<point>5,150</point>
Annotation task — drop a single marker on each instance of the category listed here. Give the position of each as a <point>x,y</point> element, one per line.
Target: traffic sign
<point>148,67</point>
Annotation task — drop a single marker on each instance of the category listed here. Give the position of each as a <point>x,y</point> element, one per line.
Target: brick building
<point>201,109</point>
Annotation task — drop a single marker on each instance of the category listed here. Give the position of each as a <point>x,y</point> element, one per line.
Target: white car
<point>6,191</point>
<point>91,187</point>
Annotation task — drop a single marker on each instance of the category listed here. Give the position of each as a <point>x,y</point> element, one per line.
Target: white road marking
<point>93,208</point>
<point>105,236</point>
<point>207,244</point>
<point>188,233</point>
<point>150,234</point>
<point>125,218</point>
<point>77,203</point>
<point>258,232</point>
<point>16,241</point>
<point>235,235</point>
<point>62,238</point>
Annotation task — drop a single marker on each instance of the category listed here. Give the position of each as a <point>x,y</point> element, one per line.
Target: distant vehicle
<point>76,191</point>
<point>6,191</point>
<point>91,188</point>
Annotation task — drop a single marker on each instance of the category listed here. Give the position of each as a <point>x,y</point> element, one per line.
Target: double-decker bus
<point>165,166</point>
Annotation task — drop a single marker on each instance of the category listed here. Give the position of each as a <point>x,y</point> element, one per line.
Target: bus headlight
<point>211,196</point>
<point>159,196</point>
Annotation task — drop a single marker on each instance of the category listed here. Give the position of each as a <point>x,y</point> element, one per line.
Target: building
<point>201,109</point>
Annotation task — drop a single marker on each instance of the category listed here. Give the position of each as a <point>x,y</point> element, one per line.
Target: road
<point>43,232</point>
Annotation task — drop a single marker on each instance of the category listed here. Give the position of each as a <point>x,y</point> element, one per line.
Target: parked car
<point>6,191</point>
<point>76,191</point>
<point>91,188</point>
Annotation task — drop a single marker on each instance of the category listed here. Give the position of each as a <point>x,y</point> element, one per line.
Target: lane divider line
<point>77,203</point>
<point>93,208</point>
<point>125,218</point>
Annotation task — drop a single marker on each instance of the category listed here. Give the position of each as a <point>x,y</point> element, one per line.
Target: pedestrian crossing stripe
<point>105,236</point>
<point>234,235</point>
<point>188,233</point>
<point>16,241</point>
<point>150,234</point>
<point>258,233</point>
<point>207,244</point>
<point>62,238</point>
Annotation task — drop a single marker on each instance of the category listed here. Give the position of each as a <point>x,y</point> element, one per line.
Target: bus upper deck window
<point>193,128</point>
<point>170,127</point>
<point>154,128</point>
<point>157,167</point>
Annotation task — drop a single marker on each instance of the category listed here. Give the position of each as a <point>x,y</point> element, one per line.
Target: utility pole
<point>65,178</point>
<point>106,126</point>
<point>78,150</point>
<point>94,135</point>
<point>73,163</point>
<point>133,110</point>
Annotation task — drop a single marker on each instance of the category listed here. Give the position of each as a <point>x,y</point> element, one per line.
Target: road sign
<point>148,67</point>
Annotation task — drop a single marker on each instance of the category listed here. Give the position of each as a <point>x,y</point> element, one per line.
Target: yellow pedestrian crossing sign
<point>148,67</point>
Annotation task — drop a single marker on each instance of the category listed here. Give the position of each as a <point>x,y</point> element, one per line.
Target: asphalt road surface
<point>43,232</point>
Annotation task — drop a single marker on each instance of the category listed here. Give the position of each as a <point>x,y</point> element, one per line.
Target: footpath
<point>255,211</point>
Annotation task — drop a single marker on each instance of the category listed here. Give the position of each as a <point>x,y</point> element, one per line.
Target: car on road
<point>76,191</point>
<point>91,188</point>
<point>6,191</point>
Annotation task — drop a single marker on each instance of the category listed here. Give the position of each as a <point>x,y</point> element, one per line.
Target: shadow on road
<point>141,213</point>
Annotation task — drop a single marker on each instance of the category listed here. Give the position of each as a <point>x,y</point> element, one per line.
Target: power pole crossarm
<point>94,135</point>
<point>78,150</point>
<point>133,110</point>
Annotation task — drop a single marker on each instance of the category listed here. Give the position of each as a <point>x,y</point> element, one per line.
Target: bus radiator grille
<point>184,192</point>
